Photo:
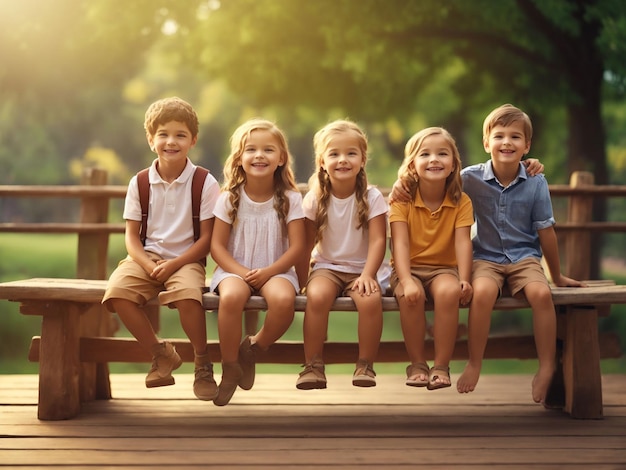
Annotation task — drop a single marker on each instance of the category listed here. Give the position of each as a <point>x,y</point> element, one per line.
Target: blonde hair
<point>235,177</point>
<point>320,183</point>
<point>505,115</point>
<point>170,109</point>
<point>407,173</point>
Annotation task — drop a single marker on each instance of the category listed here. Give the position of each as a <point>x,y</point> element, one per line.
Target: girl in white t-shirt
<point>257,238</point>
<point>345,226</point>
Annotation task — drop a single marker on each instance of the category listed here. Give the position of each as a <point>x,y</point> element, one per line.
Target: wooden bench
<point>72,362</point>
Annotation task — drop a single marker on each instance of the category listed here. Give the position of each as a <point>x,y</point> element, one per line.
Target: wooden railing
<point>94,228</point>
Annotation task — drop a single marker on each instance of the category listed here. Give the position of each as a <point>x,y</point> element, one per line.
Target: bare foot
<point>541,383</point>
<point>468,380</point>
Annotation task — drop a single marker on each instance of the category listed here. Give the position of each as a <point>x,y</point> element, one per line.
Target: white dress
<point>257,239</point>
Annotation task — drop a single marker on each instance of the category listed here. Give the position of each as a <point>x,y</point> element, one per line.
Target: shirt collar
<point>488,173</point>
<point>419,202</point>
<point>187,173</point>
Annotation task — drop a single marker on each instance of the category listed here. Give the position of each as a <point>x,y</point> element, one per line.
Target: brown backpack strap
<point>197,184</point>
<point>143,182</point>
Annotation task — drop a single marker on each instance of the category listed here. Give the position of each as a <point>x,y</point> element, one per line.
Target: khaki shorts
<point>129,281</point>
<point>516,275</point>
<point>343,281</point>
<point>424,276</point>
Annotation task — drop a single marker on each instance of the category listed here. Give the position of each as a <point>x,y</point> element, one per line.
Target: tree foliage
<point>374,59</point>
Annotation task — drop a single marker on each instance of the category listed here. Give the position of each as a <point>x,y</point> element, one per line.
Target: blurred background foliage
<point>77,75</point>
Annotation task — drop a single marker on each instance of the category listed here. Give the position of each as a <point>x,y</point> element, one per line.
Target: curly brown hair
<point>170,109</point>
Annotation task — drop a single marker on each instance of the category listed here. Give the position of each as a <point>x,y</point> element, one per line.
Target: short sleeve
<point>223,207</point>
<point>309,206</point>
<point>377,203</point>
<point>210,194</point>
<point>295,206</point>
<point>465,216</point>
<point>132,206</point>
<point>399,211</point>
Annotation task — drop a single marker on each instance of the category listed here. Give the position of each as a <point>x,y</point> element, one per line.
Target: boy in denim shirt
<point>515,226</point>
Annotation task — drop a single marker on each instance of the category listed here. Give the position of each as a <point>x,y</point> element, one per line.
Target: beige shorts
<point>343,281</point>
<point>129,281</point>
<point>424,276</point>
<point>515,275</point>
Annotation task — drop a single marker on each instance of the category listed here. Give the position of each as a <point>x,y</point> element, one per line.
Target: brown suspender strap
<point>197,184</point>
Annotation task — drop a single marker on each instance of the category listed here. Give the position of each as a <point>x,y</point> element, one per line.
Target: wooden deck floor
<point>276,426</point>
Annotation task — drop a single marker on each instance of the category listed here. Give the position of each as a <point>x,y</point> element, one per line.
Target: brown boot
<point>204,386</point>
<point>231,374</point>
<point>165,359</point>
<point>247,361</point>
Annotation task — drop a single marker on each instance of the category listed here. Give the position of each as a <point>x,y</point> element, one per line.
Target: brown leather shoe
<point>231,374</point>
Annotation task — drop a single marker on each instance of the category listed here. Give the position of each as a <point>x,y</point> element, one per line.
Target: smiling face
<point>172,141</point>
<point>262,154</point>
<point>342,158</point>
<point>434,159</point>
<point>507,144</point>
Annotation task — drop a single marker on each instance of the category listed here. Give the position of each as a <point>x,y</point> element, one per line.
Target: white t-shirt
<point>257,239</point>
<point>169,232</point>
<point>343,247</point>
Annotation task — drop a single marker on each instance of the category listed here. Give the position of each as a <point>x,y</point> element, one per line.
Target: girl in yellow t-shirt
<point>431,252</point>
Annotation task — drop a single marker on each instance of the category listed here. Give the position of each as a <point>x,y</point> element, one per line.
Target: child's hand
<point>411,292</point>
<point>365,285</point>
<point>163,270</point>
<point>564,281</point>
<point>466,293</point>
<point>533,166</point>
<point>399,193</point>
<point>257,277</point>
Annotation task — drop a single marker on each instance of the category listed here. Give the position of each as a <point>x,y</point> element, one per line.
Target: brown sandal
<point>438,373</point>
<point>413,370</point>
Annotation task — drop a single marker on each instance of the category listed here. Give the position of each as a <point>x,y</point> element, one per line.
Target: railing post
<point>92,248</point>
<point>578,243</point>
<point>92,264</point>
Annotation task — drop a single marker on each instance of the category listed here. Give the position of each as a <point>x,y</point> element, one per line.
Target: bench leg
<point>94,378</point>
<point>581,364</point>
<point>59,363</point>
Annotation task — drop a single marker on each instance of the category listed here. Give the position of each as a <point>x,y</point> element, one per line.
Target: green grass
<point>25,256</point>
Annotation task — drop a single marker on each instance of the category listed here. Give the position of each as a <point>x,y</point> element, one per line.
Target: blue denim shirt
<point>507,219</point>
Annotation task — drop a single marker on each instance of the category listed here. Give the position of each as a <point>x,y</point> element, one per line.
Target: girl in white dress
<point>257,238</point>
<point>345,223</point>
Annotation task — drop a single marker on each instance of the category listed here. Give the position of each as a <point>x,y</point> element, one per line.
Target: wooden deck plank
<point>276,426</point>
<point>276,456</point>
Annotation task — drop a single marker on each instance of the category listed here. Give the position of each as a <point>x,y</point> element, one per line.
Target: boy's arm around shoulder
<point>533,166</point>
<point>550,249</point>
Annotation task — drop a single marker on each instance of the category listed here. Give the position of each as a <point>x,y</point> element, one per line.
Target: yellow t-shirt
<point>431,234</point>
